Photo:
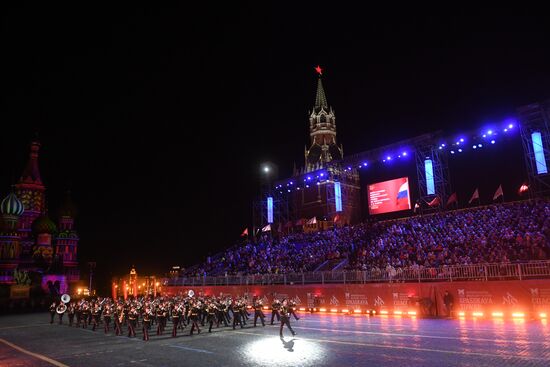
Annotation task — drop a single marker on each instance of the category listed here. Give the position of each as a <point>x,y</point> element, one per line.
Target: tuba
<point>61,308</point>
<point>191,293</point>
<point>65,298</point>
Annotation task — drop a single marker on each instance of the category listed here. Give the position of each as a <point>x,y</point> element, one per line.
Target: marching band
<point>182,311</point>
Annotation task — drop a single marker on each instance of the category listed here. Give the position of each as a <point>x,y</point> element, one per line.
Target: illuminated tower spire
<point>322,131</point>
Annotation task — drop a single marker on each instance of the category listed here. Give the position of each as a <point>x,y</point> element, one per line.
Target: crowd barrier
<point>498,271</point>
<point>525,298</point>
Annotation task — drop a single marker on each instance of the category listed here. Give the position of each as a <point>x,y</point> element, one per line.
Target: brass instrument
<point>61,308</point>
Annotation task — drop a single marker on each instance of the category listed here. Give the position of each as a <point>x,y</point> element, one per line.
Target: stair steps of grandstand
<point>329,265</point>
<point>341,265</point>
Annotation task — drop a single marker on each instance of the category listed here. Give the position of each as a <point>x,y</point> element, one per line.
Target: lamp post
<point>91,266</point>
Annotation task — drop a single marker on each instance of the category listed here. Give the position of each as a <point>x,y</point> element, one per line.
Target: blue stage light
<point>349,168</point>
<point>538,149</point>
<point>309,178</point>
<point>452,152</point>
<point>492,141</point>
<point>292,183</point>
<point>484,135</point>
<point>338,196</point>
<point>443,144</point>
<point>460,150</point>
<point>440,148</point>
<point>489,132</point>
<point>461,140</point>
<point>505,130</point>
<point>510,126</point>
<point>474,146</point>
<point>364,164</point>
<point>479,145</point>
<point>270,210</point>
<point>428,169</point>
<point>404,154</point>
<point>388,158</point>
<point>322,174</point>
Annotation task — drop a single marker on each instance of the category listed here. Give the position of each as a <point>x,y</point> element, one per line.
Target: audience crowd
<point>501,233</point>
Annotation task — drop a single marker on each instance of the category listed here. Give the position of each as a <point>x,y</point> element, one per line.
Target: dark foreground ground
<point>322,340</point>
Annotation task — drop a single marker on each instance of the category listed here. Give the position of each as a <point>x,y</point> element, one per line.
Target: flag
<point>312,221</point>
<point>498,193</point>
<point>523,189</point>
<point>403,192</point>
<point>267,228</point>
<point>435,202</point>
<point>474,196</point>
<point>245,232</point>
<point>336,218</point>
<point>452,199</point>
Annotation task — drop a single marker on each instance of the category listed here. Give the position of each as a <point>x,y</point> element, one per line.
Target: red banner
<point>427,299</point>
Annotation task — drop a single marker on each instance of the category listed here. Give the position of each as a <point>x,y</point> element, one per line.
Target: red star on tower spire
<point>319,70</point>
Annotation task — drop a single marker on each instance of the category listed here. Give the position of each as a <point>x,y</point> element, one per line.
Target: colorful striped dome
<point>43,224</point>
<point>11,205</point>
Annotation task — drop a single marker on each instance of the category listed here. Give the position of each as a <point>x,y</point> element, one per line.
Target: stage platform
<point>321,340</point>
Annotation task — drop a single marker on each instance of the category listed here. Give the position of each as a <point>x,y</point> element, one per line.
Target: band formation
<point>178,312</point>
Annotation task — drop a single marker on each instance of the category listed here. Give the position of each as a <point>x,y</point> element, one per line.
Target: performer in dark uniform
<point>258,312</point>
<point>52,312</point>
<point>275,307</point>
<point>147,316</point>
<point>176,314</point>
<point>119,318</point>
<point>70,312</point>
<point>132,320</point>
<point>285,318</point>
<point>62,307</point>
<point>95,316</point>
<point>107,317</point>
<point>237,314</point>
<point>85,313</point>
<point>211,311</point>
<point>292,306</point>
<point>194,317</point>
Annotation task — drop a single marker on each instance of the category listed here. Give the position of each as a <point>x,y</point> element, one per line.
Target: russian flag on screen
<point>403,192</point>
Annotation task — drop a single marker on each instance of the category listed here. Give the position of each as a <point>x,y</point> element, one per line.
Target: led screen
<point>389,196</point>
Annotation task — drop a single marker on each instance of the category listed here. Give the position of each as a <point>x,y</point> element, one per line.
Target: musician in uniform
<point>53,307</point>
<point>132,320</point>
<point>285,318</point>
<point>107,317</point>
<point>275,307</point>
<point>85,314</point>
<point>211,311</point>
<point>147,317</point>
<point>194,317</point>
<point>292,304</point>
<point>257,304</point>
<point>61,308</point>
<point>119,318</point>
<point>95,316</point>
<point>70,312</point>
<point>161,319</point>
<point>237,314</point>
<point>176,314</point>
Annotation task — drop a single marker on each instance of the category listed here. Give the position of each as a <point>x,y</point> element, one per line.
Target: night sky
<point>158,119</point>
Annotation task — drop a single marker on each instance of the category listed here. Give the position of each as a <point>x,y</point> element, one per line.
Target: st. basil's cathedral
<point>30,240</point>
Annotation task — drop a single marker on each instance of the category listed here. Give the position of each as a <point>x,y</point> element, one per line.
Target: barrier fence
<point>479,272</point>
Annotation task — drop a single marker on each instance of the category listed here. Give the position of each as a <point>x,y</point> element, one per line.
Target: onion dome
<point>43,224</point>
<point>11,205</point>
